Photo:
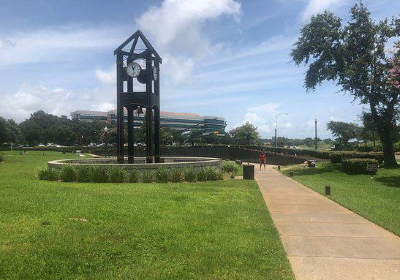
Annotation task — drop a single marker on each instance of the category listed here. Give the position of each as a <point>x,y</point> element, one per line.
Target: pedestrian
<point>263,158</point>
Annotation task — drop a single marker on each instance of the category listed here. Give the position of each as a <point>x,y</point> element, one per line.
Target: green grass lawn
<point>377,199</point>
<point>210,230</point>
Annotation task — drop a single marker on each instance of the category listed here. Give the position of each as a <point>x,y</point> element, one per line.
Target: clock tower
<point>129,61</point>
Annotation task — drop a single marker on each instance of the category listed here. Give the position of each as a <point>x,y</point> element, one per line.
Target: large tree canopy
<point>344,132</point>
<point>246,134</point>
<point>354,56</point>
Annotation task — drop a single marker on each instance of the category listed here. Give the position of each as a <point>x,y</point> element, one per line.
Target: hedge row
<point>358,165</point>
<point>117,175</point>
<point>297,152</point>
<point>337,157</point>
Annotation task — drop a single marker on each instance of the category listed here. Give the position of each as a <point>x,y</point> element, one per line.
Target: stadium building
<point>178,121</point>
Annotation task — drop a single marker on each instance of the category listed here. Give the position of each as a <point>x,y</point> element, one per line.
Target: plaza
<point>202,154</point>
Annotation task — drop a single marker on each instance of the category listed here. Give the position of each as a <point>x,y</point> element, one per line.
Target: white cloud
<point>317,6</point>
<point>30,98</point>
<point>107,77</point>
<point>175,28</point>
<point>267,108</point>
<point>176,24</point>
<point>61,44</point>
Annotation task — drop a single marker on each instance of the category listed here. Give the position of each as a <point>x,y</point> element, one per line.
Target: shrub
<point>230,168</point>
<point>190,174</point>
<point>357,165</point>
<point>68,174</point>
<point>83,174</point>
<point>147,176</point>
<point>162,175</point>
<point>48,174</point>
<point>176,175</point>
<point>134,176</point>
<point>202,175</point>
<point>99,175</point>
<point>1,158</point>
<point>339,156</point>
<point>211,173</point>
<point>376,156</point>
<point>335,157</point>
<point>220,175</point>
<point>117,175</point>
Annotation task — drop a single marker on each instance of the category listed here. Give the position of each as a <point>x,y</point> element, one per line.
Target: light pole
<point>276,128</point>
<point>105,140</point>
<point>316,137</point>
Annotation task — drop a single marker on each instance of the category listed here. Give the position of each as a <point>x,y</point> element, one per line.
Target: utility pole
<point>316,137</point>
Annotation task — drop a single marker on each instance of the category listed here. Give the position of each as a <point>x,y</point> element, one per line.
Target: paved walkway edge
<point>324,240</point>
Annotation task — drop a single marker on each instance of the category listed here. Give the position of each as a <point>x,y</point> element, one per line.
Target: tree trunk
<point>388,150</point>
<point>384,128</point>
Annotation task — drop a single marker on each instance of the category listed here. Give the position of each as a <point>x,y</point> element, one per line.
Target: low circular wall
<point>140,163</point>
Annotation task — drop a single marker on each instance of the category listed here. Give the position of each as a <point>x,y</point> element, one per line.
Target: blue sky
<point>227,58</point>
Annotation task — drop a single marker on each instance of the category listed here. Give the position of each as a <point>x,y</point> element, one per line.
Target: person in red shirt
<point>263,158</point>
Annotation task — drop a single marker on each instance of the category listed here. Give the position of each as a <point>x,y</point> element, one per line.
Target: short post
<point>291,173</point>
<point>248,172</point>
<point>327,190</point>
<point>279,167</point>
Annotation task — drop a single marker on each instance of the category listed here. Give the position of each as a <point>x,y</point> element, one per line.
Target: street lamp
<point>276,127</point>
<point>105,140</point>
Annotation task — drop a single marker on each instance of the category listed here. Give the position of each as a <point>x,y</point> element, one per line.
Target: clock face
<point>155,73</point>
<point>133,69</point>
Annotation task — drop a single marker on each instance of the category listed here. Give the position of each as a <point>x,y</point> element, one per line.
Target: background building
<point>178,121</point>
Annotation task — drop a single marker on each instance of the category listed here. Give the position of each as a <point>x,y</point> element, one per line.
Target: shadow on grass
<point>390,181</point>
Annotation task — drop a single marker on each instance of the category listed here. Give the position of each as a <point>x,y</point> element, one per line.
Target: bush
<point>147,176</point>
<point>202,175</point>
<point>176,175</point>
<point>68,174</point>
<point>99,175</point>
<point>335,157</point>
<point>162,175</point>
<point>211,173</point>
<point>84,174</point>
<point>230,168</point>
<point>117,175</point>
<point>1,158</point>
<point>134,176</point>
<point>190,174</point>
<point>339,156</point>
<point>357,165</point>
<point>220,175</point>
<point>48,174</point>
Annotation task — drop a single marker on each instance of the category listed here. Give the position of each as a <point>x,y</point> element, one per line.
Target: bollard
<point>291,173</point>
<point>279,167</point>
<point>248,172</point>
<point>327,190</point>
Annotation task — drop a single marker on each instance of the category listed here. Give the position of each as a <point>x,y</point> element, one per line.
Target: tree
<point>354,57</point>
<point>309,142</point>
<point>344,132</point>
<point>246,134</point>
<point>369,131</point>
<point>9,132</point>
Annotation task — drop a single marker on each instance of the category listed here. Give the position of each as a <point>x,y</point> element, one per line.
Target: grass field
<point>210,230</point>
<point>377,199</point>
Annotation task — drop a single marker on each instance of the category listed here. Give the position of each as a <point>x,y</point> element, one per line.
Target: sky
<point>225,58</point>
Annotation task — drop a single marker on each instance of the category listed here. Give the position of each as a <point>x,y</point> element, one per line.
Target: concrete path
<point>324,240</point>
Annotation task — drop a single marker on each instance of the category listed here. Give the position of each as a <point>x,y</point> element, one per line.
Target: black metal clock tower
<point>128,68</point>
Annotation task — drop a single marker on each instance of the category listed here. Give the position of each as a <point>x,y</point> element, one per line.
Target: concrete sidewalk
<point>324,240</point>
